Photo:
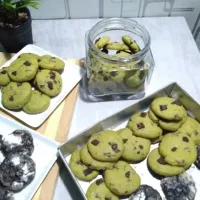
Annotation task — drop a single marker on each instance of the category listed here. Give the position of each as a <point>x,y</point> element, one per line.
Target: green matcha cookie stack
<point>110,78</point>
<point>30,82</point>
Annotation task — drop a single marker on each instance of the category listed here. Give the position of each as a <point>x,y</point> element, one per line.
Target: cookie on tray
<point>87,159</point>
<point>38,103</point>
<point>19,141</point>
<point>145,192</point>
<point>79,169</point>
<point>22,70</point>
<point>152,116</point>
<point>28,56</point>
<point>16,95</point>
<point>17,171</point>
<point>49,82</point>
<point>122,180</point>
<point>158,165</point>
<point>192,128</point>
<point>106,146</point>
<point>51,63</point>
<point>4,78</point>
<point>168,108</point>
<point>180,187</point>
<point>98,190</point>
<point>178,150</point>
<point>143,126</point>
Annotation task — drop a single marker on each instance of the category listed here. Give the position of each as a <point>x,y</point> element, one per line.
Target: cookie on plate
<point>180,187</point>
<point>38,103</point>
<point>17,171</point>
<point>145,192</point>
<point>51,63</point>
<point>79,169</point>
<point>19,141</point>
<point>143,126</point>
<point>28,56</point>
<point>168,108</point>
<point>49,82</point>
<point>98,190</point>
<point>4,78</point>
<point>22,70</point>
<point>178,150</point>
<point>16,95</point>
<point>122,180</point>
<point>158,165</point>
<point>106,146</point>
<point>192,128</point>
<point>87,159</point>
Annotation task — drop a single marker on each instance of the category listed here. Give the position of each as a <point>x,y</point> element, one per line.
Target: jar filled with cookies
<point>118,58</point>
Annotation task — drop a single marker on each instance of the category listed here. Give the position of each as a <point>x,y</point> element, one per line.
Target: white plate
<point>71,76</point>
<point>44,155</point>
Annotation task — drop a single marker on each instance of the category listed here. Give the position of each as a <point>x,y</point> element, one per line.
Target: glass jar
<point>118,73</point>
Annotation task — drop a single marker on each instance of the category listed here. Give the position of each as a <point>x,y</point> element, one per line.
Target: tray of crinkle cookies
<point>149,150</point>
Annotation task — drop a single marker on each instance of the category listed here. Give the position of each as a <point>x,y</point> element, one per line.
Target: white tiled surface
<point>176,56</point>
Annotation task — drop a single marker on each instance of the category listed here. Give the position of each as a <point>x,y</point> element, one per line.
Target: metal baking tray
<point>119,120</point>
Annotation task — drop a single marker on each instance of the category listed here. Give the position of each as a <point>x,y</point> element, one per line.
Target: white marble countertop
<point>176,55</point>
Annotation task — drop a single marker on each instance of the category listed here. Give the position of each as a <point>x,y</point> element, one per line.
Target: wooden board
<point>55,127</point>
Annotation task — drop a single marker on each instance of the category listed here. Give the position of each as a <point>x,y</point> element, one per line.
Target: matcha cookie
<point>28,56</point>
<point>38,103</point>
<point>98,190</point>
<point>106,146</point>
<point>16,95</point>
<point>80,170</point>
<point>122,179</point>
<point>125,133</point>
<point>87,159</point>
<point>192,128</point>
<point>49,82</point>
<point>22,70</point>
<point>178,150</point>
<point>152,116</point>
<point>51,63</point>
<point>168,108</point>
<point>4,78</point>
<point>156,140</point>
<point>143,126</point>
<point>136,149</point>
<point>158,165</point>
<point>101,42</point>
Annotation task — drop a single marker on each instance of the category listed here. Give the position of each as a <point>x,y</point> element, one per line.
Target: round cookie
<point>16,95</point>
<point>122,179</point>
<point>87,159</point>
<point>49,82</point>
<point>135,148</point>
<point>125,133</point>
<point>98,190</point>
<point>158,165</point>
<point>192,128</point>
<point>22,70</point>
<point>51,63</point>
<point>80,170</point>
<point>4,78</point>
<point>38,103</point>
<point>17,171</point>
<point>143,126</point>
<point>178,150</point>
<point>19,141</point>
<point>156,140</point>
<point>106,146</point>
<point>28,56</point>
<point>145,192</point>
<point>168,108</point>
<point>152,116</point>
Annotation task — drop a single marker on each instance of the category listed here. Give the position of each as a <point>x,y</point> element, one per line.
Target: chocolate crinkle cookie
<point>180,187</point>
<point>17,171</point>
<point>19,141</point>
<point>197,162</point>
<point>145,192</point>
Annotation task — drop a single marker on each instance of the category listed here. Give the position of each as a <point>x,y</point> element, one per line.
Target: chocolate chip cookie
<point>4,78</point>
<point>49,82</point>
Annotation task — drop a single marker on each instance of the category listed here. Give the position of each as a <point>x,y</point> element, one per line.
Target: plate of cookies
<point>25,159</point>
<point>150,150</point>
<point>34,82</point>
